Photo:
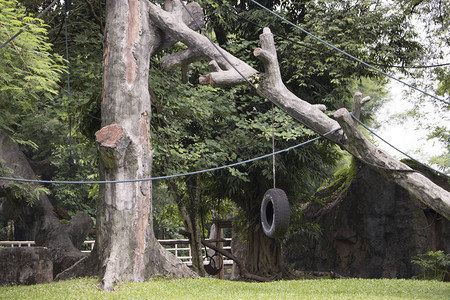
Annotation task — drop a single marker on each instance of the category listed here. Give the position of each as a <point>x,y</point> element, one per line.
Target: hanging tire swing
<point>211,268</point>
<point>275,213</point>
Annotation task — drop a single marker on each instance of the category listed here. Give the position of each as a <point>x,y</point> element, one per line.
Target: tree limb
<point>180,59</point>
<point>312,116</point>
<point>172,24</point>
<point>358,102</point>
<point>417,184</point>
<point>274,89</point>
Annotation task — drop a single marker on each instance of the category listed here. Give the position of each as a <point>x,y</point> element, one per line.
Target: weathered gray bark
<point>128,249</point>
<point>358,102</point>
<point>273,88</point>
<point>417,184</point>
<point>64,240</point>
<point>171,22</point>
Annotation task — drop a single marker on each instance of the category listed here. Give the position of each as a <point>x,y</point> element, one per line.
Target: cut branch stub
<point>113,142</point>
<point>358,102</point>
<point>109,136</point>
<point>268,55</point>
<point>359,145</point>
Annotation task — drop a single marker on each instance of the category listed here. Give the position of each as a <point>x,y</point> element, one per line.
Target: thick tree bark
<point>64,240</point>
<point>128,249</point>
<point>264,254</point>
<point>273,88</point>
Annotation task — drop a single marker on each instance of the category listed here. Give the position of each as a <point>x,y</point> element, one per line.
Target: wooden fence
<point>180,248</point>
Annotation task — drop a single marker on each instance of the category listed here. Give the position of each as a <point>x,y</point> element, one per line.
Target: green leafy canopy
<point>29,72</point>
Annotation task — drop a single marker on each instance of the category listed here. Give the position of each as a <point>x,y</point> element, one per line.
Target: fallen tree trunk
<point>229,70</point>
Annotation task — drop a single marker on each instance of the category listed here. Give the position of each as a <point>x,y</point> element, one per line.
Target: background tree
<point>28,84</point>
<point>29,74</point>
<point>56,150</point>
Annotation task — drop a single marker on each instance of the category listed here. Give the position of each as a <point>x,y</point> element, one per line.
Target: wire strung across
<point>332,54</point>
<point>259,91</point>
<point>392,146</point>
<point>349,55</point>
<point>171,176</point>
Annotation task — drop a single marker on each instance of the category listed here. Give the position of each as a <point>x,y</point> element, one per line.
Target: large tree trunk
<point>64,240</point>
<point>128,249</point>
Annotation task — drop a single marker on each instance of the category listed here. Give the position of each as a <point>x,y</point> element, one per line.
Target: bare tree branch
<point>171,23</point>
<point>417,184</point>
<point>274,89</point>
<point>271,86</point>
<point>180,59</point>
<point>358,102</point>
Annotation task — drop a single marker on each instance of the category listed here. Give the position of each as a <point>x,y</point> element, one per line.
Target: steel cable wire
<point>349,55</point>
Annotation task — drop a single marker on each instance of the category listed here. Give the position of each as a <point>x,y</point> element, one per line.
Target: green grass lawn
<point>204,288</point>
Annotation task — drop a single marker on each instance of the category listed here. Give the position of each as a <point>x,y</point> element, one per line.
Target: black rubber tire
<point>211,268</point>
<point>275,213</point>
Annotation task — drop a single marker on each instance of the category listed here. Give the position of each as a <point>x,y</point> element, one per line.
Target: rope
<point>273,148</point>
<point>70,159</point>
<point>349,55</point>
<point>413,159</point>
<point>171,176</point>
<point>332,54</point>
<point>28,25</point>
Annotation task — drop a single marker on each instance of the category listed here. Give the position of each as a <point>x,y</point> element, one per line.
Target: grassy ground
<point>205,288</point>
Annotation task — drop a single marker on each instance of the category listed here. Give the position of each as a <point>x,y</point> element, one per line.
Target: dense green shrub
<point>434,264</point>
